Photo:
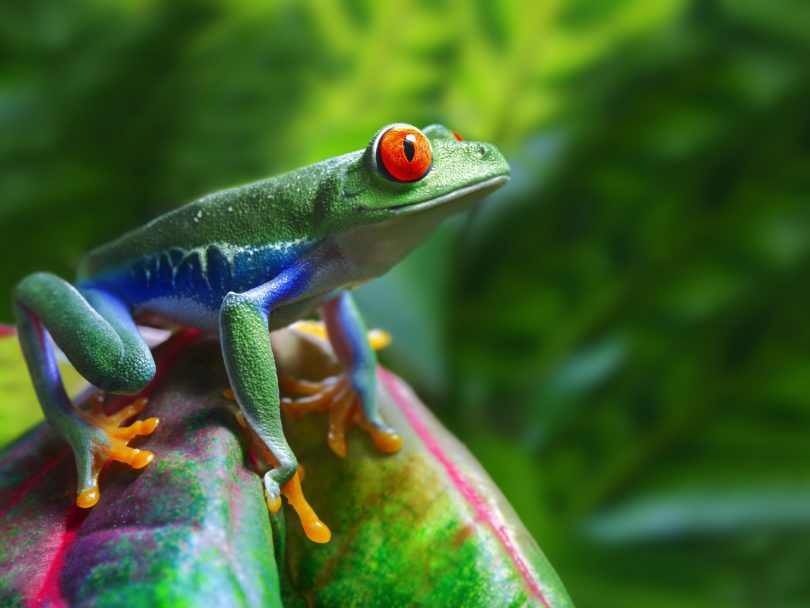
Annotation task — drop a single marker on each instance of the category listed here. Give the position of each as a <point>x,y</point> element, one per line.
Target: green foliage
<point>652,356</point>
<point>19,409</point>
<point>193,528</point>
<point>619,335</point>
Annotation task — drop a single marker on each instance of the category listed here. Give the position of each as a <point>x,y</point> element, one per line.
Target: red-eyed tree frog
<point>240,263</point>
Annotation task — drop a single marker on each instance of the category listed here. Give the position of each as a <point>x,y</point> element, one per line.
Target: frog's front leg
<point>97,334</point>
<point>245,339</point>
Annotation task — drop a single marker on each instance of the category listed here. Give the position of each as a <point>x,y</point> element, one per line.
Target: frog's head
<point>408,171</point>
<point>406,181</point>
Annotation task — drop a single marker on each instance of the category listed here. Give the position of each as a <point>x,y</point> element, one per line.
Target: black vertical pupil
<point>410,150</point>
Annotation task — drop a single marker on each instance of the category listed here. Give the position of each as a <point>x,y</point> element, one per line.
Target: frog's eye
<point>404,154</point>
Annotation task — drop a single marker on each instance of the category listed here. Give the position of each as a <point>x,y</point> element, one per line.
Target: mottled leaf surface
<point>191,529</point>
<point>423,527</point>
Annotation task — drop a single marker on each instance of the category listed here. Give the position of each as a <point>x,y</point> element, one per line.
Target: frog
<point>239,264</point>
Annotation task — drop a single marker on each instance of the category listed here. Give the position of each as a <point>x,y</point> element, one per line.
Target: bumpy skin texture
<point>237,263</point>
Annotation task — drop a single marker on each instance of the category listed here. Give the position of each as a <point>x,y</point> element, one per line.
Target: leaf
<point>425,526</point>
<point>192,529</point>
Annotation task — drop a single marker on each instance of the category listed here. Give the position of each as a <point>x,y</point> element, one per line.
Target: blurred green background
<point>620,336</point>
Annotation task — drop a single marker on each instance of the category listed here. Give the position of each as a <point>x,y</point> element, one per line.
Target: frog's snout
<point>490,155</point>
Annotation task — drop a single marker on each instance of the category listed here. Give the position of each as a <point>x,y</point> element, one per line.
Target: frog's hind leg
<point>96,332</point>
<point>350,396</point>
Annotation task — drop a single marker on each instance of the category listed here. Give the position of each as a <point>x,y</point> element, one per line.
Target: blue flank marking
<point>178,275</point>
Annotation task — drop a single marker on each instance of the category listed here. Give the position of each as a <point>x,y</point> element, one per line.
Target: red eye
<point>404,154</point>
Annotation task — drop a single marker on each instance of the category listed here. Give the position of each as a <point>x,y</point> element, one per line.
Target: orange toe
<point>274,504</point>
<point>387,442</point>
<point>88,497</point>
<point>318,532</point>
<point>140,459</point>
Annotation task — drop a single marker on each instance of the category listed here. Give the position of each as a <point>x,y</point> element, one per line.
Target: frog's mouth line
<point>480,189</point>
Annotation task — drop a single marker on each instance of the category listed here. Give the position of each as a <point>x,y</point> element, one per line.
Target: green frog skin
<point>241,262</point>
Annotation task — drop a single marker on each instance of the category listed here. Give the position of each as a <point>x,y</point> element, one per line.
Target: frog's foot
<point>314,528</point>
<point>336,396</point>
<point>116,446</point>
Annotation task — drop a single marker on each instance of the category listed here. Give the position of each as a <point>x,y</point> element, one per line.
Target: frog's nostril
<point>481,152</point>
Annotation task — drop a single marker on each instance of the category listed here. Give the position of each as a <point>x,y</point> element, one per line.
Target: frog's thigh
<point>94,329</point>
<point>134,366</point>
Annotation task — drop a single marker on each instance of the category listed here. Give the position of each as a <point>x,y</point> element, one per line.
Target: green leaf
<point>192,529</point>
<point>19,408</point>
<point>424,526</point>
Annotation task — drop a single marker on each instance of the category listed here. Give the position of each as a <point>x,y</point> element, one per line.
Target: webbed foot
<point>109,441</point>
<point>336,395</point>
<point>314,528</point>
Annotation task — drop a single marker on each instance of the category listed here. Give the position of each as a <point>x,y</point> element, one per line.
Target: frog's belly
<point>191,313</point>
<point>179,311</point>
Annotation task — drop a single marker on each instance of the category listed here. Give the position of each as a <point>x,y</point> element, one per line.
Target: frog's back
<point>190,258</point>
<point>232,240</point>
<point>243,217</point>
